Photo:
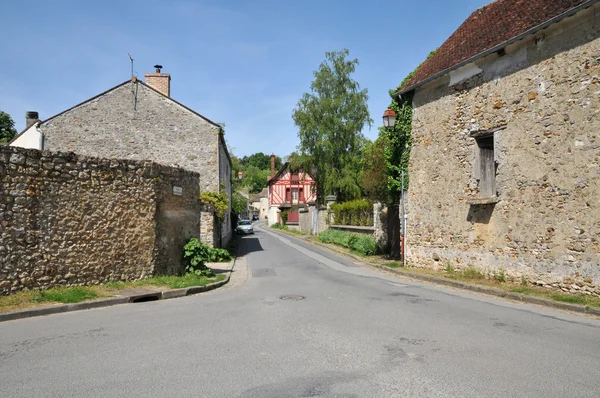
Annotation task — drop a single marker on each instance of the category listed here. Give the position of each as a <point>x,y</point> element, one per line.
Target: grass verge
<point>498,280</point>
<point>36,298</point>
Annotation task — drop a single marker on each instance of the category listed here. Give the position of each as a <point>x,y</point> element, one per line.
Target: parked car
<point>244,227</point>
<point>255,217</point>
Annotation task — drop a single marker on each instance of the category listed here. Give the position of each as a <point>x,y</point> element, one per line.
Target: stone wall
<point>132,121</point>
<point>225,183</point>
<point>305,219</point>
<point>75,220</point>
<point>543,99</point>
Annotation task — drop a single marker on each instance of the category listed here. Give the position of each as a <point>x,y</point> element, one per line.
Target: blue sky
<point>244,63</point>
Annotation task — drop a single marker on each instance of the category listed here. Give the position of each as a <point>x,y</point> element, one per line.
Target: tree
<point>330,120</point>
<point>7,127</point>
<point>374,179</point>
<point>239,203</point>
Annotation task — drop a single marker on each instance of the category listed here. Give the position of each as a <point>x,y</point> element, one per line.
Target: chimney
<point>31,118</point>
<point>159,81</point>
<point>272,165</point>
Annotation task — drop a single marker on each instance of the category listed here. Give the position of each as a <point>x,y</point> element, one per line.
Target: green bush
<point>279,226</point>
<point>196,254</point>
<point>363,244</point>
<point>284,217</point>
<point>357,212</point>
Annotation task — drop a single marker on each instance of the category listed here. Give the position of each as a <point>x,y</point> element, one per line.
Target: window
<point>487,166</point>
<point>294,194</point>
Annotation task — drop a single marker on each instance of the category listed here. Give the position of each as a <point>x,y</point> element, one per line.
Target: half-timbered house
<point>289,190</point>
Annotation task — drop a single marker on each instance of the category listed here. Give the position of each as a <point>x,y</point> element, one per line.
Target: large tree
<point>330,119</point>
<point>7,127</point>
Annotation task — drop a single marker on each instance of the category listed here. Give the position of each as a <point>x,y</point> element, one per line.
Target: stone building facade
<point>504,168</point>
<point>71,220</point>
<point>137,121</point>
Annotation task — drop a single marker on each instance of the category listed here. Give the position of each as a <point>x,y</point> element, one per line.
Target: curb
<point>583,309</point>
<point>86,305</point>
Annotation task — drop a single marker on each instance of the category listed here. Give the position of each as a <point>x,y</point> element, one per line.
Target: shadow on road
<point>249,245</point>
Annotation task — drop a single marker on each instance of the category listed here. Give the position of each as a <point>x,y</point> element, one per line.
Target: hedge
<point>357,212</point>
<point>363,244</point>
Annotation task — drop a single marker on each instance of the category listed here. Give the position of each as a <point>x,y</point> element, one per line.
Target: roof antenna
<point>131,59</point>
<point>134,87</point>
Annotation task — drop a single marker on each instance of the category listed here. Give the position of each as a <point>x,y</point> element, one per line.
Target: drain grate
<point>263,272</point>
<point>292,297</point>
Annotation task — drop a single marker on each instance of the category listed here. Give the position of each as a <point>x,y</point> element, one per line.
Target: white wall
<point>30,139</point>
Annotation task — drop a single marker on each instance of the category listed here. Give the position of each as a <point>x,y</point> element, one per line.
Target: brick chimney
<point>272,165</point>
<point>159,81</point>
<point>31,118</point>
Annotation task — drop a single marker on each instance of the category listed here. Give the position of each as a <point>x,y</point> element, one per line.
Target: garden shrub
<point>356,212</point>
<point>196,254</point>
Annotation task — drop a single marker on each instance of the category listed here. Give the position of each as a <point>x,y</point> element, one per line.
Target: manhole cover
<point>292,297</point>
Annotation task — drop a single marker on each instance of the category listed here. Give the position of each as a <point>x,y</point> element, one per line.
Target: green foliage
<point>256,170</point>
<point>239,203</point>
<point>362,244</point>
<point>523,281</point>
<point>374,181</point>
<point>284,216</point>
<point>330,119</point>
<point>7,127</point>
<point>64,295</point>
<point>356,212</point>
<point>279,226</point>
<point>449,268</point>
<point>499,275</point>
<point>216,201</point>
<point>196,254</point>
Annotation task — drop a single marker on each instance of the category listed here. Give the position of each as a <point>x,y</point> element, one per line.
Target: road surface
<point>356,333</point>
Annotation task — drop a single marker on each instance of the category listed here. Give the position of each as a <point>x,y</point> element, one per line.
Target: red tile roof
<point>488,27</point>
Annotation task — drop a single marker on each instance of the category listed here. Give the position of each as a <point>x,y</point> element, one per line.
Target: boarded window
<point>487,171</point>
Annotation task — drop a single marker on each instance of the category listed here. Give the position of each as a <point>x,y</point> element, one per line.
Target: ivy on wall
<point>216,201</point>
<point>397,152</point>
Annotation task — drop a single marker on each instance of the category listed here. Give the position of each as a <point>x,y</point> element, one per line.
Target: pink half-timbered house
<point>288,191</point>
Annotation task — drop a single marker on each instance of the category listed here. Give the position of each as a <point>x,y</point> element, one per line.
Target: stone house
<point>140,121</point>
<point>504,167</point>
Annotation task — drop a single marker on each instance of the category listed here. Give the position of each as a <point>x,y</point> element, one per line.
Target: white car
<point>244,227</point>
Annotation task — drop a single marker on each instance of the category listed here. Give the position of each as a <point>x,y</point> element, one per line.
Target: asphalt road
<point>357,333</point>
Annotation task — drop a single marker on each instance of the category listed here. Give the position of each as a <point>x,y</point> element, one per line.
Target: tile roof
<point>488,27</point>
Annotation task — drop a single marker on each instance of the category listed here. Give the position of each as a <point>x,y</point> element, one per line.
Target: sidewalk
<point>137,295</point>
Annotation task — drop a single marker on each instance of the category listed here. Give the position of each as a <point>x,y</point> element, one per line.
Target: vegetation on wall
<point>218,202</point>
<point>357,212</point>
<point>330,119</point>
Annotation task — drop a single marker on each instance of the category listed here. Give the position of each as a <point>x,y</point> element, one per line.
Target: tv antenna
<point>131,59</point>
<point>134,87</point>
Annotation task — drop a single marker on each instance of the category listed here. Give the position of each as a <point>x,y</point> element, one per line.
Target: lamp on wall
<point>389,117</point>
<point>240,175</point>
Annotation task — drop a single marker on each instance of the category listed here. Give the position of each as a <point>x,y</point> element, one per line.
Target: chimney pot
<point>31,117</point>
